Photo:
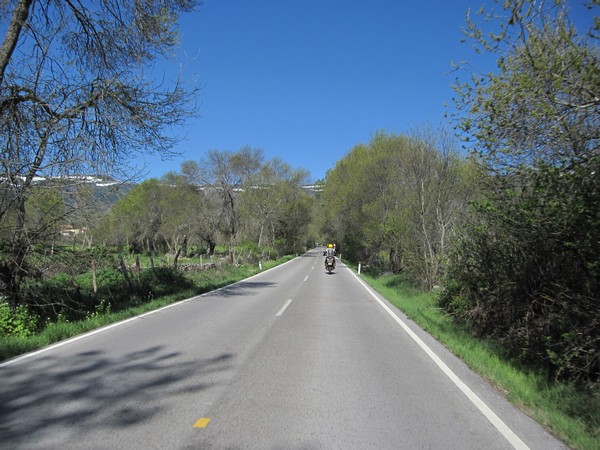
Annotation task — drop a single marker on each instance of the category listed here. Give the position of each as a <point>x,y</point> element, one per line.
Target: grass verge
<point>204,281</point>
<point>571,414</point>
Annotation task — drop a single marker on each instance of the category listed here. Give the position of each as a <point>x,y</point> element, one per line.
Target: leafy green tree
<point>136,219</point>
<point>186,215</point>
<point>294,216</point>
<point>44,210</point>
<point>400,196</point>
<point>88,204</point>
<point>74,99</point>
<point>526,268</point>
<point>272,205</point>
<point>344,197</point>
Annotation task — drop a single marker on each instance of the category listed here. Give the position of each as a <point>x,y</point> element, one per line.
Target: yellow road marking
<point>202,422</point>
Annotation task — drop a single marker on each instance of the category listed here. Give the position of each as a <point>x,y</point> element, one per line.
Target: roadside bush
<point>107,281</point>
<point>18,321</point>
<point>162,281</point>
<point>269,253</point>
<point>526,272</point>
<point>50,298</point>
<point>249,252</point>
<point>67,298</point>
<point>111,288</point>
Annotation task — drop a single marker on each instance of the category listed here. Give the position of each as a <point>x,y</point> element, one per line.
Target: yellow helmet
<point>329,245</point>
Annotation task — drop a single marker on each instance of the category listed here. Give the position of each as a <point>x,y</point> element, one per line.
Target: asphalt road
<point>293,358</point>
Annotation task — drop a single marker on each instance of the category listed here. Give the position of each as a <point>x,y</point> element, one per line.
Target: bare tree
<point>74,99</point>
<point>267,205</point>
<point>438,196</point>
<point>226,173</point>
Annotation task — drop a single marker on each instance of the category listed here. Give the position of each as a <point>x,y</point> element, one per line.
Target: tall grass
<point>569,412</point>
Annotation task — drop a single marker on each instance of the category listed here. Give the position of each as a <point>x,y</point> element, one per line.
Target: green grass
<point>571,414</point>
<point>204,281</point>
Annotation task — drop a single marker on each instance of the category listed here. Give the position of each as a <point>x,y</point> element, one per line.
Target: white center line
<point>281,311</point>
<point>306,278</point>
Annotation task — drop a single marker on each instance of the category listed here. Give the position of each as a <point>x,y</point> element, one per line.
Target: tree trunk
<point>138,269</point>
<point>211,247</point>
<point>14,269</point>
<point>260,236</point>
<point>13,32</point>
<point>94,281</point>
<point>184,246</point>
<point>125,272</point>
<point>394,260</point>
<point>176,258</point>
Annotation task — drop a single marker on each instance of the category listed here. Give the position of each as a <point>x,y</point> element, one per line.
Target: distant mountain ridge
<point>104,191</point>
<point>107,190</point>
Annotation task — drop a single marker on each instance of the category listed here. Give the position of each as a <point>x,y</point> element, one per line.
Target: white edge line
<point>88,334</point>
<point>284,307</point>
<point>241,281</point>
<point>510,435</point>
<point>123,322</point>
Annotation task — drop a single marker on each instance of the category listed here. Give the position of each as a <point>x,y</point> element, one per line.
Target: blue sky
<point>305,81</point>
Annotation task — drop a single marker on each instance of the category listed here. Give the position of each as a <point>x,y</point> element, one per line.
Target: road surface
<point>293,358</point>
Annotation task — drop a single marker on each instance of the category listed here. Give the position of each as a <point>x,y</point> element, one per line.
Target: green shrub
<point>269,253</point>
<point>68,298</point>
<point>525,272</point>
<point>18,321</point>
<point>250,247</point>
<point>110,284</point>
<point>46,297</point>
<point>105,278</point>
<point>162,281</point>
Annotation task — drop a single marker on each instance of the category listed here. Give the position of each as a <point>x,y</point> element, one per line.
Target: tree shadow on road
<point>89,391</point>
<point>242,288</point>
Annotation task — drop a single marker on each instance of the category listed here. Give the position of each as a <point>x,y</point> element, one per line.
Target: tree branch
<point>11,38</point>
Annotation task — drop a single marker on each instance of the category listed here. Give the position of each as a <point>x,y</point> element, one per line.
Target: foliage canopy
<point>525,269</point>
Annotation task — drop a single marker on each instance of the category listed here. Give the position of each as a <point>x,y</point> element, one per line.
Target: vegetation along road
<point>290,358</point>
